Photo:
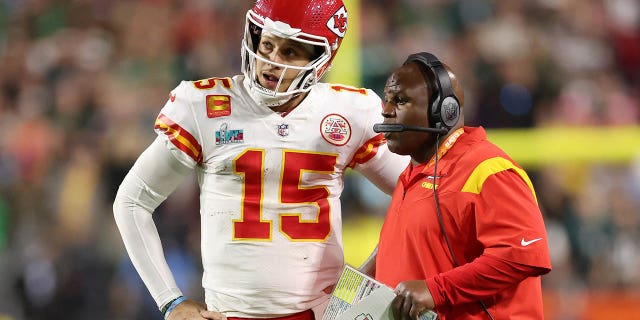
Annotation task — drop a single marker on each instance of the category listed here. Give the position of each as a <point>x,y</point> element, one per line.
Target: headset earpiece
<point>444,111</point>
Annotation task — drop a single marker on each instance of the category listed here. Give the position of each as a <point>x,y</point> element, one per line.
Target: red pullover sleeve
<point>482,278</point>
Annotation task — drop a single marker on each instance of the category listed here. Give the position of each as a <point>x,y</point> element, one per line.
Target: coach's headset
<point>444,111</point>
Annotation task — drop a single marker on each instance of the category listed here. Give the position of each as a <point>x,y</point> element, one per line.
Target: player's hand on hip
<point>188,310</point>
<point>412,298</point>
<point>214,315</point>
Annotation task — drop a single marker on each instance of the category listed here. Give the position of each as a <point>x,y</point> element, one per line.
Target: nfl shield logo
<point>283,130</point>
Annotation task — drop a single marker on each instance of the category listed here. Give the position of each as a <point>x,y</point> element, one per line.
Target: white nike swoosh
<point>526,243</point>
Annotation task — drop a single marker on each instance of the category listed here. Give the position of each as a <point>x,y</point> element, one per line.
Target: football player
<point>270,148</point>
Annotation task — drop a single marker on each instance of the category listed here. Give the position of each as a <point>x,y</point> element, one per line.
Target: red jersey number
<point>252,226</point>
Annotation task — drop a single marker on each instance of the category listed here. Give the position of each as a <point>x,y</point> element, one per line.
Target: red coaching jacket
<point>495,228</point>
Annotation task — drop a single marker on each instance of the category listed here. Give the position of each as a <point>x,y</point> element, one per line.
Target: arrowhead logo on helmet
<point>338,22</point>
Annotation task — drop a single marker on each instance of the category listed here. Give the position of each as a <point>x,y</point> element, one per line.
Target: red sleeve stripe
<point>180,138</point>
<point>368,150</point>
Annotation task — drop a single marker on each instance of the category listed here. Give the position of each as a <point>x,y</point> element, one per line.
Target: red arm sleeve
<point>484,277</point>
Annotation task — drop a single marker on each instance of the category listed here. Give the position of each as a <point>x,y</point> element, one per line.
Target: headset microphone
<point>388,127</point>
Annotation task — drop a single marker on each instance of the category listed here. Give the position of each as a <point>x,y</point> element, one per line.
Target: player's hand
<point>213,315</point>
<point>412,298</point>
<point>189,310</point>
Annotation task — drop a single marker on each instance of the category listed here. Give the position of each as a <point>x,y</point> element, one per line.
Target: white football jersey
<point>270,188</point>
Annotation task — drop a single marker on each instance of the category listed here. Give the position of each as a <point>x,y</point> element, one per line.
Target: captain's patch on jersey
<point>226,135</point>
<point>218,105</point>
<point>335,129</point>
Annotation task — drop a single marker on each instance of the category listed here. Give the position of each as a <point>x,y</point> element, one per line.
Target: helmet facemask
<point>307,76</point>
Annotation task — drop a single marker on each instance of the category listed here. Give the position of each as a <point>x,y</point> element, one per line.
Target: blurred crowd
<point>81,82</point>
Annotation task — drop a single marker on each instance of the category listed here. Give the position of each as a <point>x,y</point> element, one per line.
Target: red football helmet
<point>320,23</point>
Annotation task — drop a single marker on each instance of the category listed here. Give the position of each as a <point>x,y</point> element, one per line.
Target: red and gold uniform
<point>270,187</point>
<point>492,220</point>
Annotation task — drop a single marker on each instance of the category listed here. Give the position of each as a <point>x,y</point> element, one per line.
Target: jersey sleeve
<point>369,108</point>
<point>177,124</point>
<point>486,276</point>
<point>510,225</point>
<point>155,174</point>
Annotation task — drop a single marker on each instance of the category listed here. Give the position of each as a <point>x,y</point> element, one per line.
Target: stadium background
<point>555,82</point>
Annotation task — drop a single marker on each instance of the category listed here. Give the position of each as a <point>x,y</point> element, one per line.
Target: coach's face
<point>406,101</point>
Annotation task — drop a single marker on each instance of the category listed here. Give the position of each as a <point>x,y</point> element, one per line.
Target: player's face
<point>406,100</point>
<point>283,51</point>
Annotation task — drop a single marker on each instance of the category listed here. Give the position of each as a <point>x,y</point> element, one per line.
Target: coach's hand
<point>191,310</point>
<point>412,298</point>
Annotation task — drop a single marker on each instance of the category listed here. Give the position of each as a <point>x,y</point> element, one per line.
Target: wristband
<point>170,305</point>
